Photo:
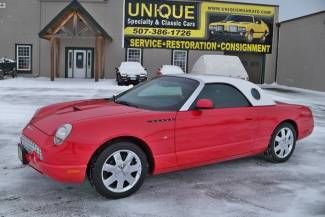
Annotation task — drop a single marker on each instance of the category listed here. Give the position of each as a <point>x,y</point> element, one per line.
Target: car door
<point>223,132</point>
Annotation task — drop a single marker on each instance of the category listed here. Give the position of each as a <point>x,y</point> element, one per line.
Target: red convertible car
<point>166,124</point>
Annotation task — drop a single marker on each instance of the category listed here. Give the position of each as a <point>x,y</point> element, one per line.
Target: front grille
<point>30,146</point>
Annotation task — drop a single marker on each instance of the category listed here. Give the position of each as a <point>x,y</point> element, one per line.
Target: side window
<point>134,55</point>
<point>223,96</point>
<point>180,59</point>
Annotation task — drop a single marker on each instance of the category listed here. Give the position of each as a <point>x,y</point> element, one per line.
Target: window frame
<point>30,47</point>
<point>127,58</point>
<point>186,59</point>
<point>192,107</point>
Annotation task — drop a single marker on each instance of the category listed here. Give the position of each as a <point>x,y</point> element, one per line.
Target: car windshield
<point>238,18</point>
<point>166,93</point>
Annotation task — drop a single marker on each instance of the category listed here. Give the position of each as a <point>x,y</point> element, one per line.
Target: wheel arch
<point>293,123</point>
<point>136,141</point>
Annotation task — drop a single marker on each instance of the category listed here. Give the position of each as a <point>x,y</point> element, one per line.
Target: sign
<point>3,5</point>
<point>190,25</point>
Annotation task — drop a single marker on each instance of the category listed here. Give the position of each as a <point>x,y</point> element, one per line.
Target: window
<point>24,57</point>
<point>223,96</point>
<point>80,60</point>
<point>134,55</point>
<point>159,94</point>
<point>180,59</point>
<point>256,94</point>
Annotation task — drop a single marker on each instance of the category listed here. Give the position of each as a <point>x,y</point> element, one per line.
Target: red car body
<point>173,140</point>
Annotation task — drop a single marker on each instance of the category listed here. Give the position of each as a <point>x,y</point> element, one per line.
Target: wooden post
<point>99,57</point>
<point>55,56</point>
<point>103,59</point>
<point>52,41</point>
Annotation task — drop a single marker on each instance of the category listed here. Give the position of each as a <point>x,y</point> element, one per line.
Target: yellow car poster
<point>198,25</point>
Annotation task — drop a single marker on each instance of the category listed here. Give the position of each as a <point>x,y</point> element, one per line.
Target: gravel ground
<point>242,188</point>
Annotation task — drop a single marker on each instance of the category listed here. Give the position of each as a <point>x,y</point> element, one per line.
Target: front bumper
<point>238,36</point>
<point>34,151</point>
<point>133,79</point>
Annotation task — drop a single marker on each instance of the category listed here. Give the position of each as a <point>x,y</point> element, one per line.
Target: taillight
<point>158,73</point>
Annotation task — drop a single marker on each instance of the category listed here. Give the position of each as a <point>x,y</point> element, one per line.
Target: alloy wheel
<point>284,142</point>
<point>121,171</point>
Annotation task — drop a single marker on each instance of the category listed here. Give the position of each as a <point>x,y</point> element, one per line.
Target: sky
<point>290,9</point>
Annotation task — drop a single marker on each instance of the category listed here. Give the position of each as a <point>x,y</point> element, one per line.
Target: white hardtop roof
<point>244,86</point>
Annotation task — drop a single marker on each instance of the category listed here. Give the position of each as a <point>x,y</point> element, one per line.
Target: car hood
<point>49,118</point>
<point>230,22</point>
<point>132,71</point>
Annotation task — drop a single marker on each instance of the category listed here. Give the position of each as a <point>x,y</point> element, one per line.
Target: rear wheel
<point>119,170</point>
<point>2,75</point>
<point>282,144</point>
<point>263,38</point>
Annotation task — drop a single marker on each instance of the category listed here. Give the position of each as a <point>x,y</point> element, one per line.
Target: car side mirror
<point>116,69</point>
<point>204,104</point>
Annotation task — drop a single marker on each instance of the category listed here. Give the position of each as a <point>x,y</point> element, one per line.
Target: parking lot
<point>248,187</point>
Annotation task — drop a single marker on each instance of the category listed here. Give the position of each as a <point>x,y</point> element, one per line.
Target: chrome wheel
<point>284,142</point>
<point>121,171</point>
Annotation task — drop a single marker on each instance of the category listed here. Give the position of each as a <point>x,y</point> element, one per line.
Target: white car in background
<point>130,73</point>
<point>220,65</point>
<point>170,70</point>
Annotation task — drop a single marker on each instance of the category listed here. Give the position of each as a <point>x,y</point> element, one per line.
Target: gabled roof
<point>73,7</point>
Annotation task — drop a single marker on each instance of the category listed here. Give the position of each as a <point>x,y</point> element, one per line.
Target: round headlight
<point>62,133</point>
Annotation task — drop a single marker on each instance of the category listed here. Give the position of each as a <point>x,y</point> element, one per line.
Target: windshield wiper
<point>126,103</point>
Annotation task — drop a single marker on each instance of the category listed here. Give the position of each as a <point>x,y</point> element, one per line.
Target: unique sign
<point>3,5</point>
<point>212,26</point>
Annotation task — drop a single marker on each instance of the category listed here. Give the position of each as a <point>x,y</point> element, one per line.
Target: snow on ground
<point>248,187</point>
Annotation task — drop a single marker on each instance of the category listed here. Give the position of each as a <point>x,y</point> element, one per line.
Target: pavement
<point>249,187</point>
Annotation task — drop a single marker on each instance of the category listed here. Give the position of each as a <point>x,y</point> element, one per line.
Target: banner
<point>190,25</point>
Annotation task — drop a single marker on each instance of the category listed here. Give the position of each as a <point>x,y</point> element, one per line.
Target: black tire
<point>96,172</point>
<point>250,37</point>
<point>14,73</point>
<point>271,154</point>
<point>263,38</point>
<point>2,75</point>
<point>118,80</point>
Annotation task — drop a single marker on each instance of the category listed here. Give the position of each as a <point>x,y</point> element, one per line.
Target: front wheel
<point>282,144</point>
<point>119,170</point>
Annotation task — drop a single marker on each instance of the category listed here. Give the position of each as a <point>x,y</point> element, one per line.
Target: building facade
<point>83,39</point>
<point>301,58</point>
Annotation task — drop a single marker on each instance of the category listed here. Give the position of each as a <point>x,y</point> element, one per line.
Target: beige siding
<point>20,23</point>
<point>302,53</point>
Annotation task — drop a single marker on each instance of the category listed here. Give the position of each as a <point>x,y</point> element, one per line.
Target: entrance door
<point>254,65</point>
<point>79,63</point>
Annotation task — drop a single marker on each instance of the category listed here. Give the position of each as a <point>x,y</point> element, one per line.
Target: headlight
<point>233,28</point>
<point>62,133</point>
<point>220,28</point>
